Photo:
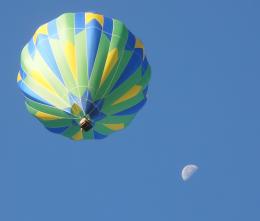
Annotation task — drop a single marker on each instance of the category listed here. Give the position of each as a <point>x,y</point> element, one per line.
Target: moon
<point>188,171</point>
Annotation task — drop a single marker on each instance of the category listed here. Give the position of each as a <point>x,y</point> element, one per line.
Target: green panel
<point>82,65</point>
<point>124,87</point>
<point>42,92</point>
<point>119,28</point>
<point>71,131</point>
<point>56,123</point>
<point>46,109</point>
<point>50,123</point>
<point>63,65</point>
<point>119,43</point>
<point>37,64</point>
<point>117,119</point>
<point>146,78</point>
<point>65,27</point>
<point>113,109</point>
<point>99,64</point>
<point>115,74</point>
<point>88,135</point>
<point>30,109</point>
<point>102,129</point>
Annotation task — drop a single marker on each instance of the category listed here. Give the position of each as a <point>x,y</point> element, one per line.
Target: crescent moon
<point>188,171</point>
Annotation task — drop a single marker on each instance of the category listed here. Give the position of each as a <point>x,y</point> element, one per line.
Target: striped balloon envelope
<point>84,75</point>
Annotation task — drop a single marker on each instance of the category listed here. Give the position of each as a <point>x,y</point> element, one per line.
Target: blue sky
<point>203,108</point>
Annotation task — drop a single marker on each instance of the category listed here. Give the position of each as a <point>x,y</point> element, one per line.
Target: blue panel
<point>145,91</point>
<point>131,68</point>
<point>97,116</point>
<point>79,22</point>
<point>22,73</point>
<point>98,135</point>
<point>52,29</point>
<point>89,107</point>
<point>108,27</point>
<point>41,38</point>
<point>45,50</point>
<point>75,123</point>
<point>94,24</point>
<point>94,112</point>
<point>93,37</point>
<point>73,99</point>
<point>132,110</point>
<point>94,108</point>
<point>84,98</point>
<point>130,44</point>
<point>31,95</point>
<point>88,100</point>
<point>57,130</point>
<point>144,66</point>
<point>99,104</point>
<point>68,111</point>
<point>31,48</point>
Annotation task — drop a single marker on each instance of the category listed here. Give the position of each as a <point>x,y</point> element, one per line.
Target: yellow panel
<point>115,126</point>
<point>90,16</point>
<point>19,78</point>
<point>41,30</point>
<point>112,59</point>
<point>139,44</point>
<point>71,58</point>
<point>75,109</point>
<point>45,116</point>
<point>37,76</point>
<point>129,94</point>
<point>78,135</point>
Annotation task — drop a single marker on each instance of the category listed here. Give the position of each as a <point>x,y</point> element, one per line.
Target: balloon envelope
<point>84,75</point>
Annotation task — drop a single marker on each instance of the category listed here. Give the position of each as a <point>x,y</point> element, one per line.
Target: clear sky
<point>203,108</point>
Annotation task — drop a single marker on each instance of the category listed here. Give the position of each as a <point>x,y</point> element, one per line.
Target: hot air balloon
<point>84,75</point>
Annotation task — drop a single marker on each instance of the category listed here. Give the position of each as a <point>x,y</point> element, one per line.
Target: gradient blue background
<point>203,108</point>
